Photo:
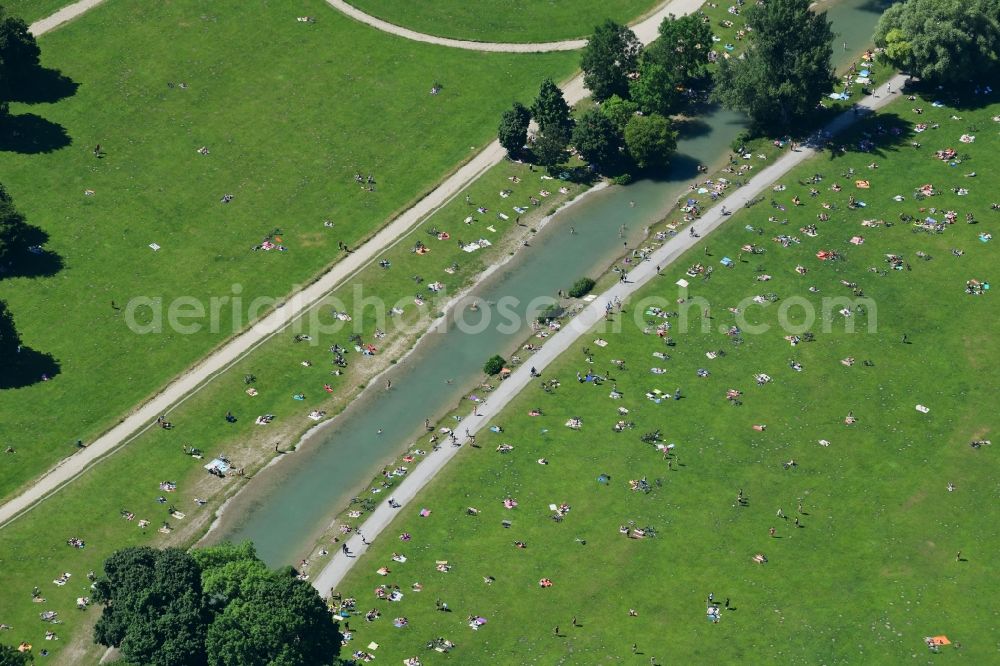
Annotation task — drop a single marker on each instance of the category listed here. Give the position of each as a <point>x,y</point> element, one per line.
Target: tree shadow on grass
<point>27,367</point>
<point>877,134</point>
<point>37,263</point>
<point>33,260</point>
<point>961,98</point>
<point>31,134</point>
<point>42,86</point>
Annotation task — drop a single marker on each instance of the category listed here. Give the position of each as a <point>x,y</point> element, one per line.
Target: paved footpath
<point>67,13</point>
<point>331,576</point>
<point>143,417</point>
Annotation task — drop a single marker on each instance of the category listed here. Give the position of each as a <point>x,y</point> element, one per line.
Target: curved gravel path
<point>333,573</point>
<point>645,29</point>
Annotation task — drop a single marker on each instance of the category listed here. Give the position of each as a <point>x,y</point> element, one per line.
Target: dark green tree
<point>550,109</point>
<point>786,68</point>
<point>619,111</point>
<point>611,54</point>
<point>494,364</point>
<point>15,233</point>
<point>598,140</point>
<point>153,608</point>
<point>9,338</point>
<point>513,130</point>
<point>18,50</point>
<point>11,656</point>
<point>682,47</point>
<point>656,88</point>
<point>944,42</point>
<point>262,617</point>
<point>581,287</point>
<point>550,147</point>
<point>651,141</point>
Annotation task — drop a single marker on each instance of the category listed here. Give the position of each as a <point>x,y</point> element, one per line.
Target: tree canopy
<point>597,139</point>
<point>550,147</point>
<point>494,364</point>
<point>550,109</point>
<point>619,111</point>
<point>15,233</point>
<point>219,606</point>
<point>651,141</point>
<point>153,607</point>
<point>611,54</point>
<point>786,68</point>
<point>682,47</point>
<point>11,656</point>
<point>655,89</point>
<point>268,618</point>
<point>513,130</point>
<point>18,51</point>
<point>9,338</point>
<point>943,41</point>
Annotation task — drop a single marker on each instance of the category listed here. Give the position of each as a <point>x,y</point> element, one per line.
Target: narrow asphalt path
<point>645,29</point>
<point>143,417</point>
<point>331,576</point>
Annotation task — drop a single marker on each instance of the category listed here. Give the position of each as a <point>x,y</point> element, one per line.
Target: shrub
<point>494,365</point>
<point>739,143</point>
<point>581,287</point>
<point>550,311</point>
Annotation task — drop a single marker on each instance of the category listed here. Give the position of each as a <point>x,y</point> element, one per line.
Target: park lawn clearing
<point>872,570</point>
<point>517,21</point>
<point>287,124</point>
<point>35,545</point>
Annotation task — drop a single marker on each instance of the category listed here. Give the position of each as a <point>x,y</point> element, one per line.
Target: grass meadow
<point>873,565</point>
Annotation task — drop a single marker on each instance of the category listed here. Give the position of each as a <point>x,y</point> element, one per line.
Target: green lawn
<point>287,123</point>
<point>506,20</point>
<point>34,546</point>
<point>872,569</point>
<point>32,10</point>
